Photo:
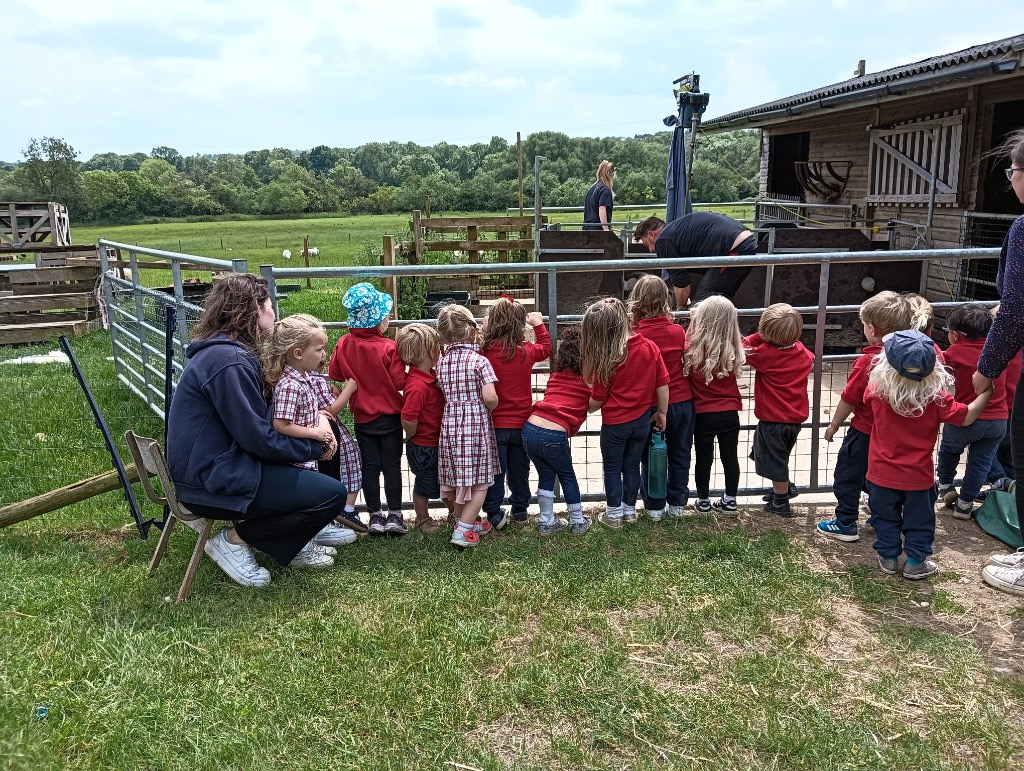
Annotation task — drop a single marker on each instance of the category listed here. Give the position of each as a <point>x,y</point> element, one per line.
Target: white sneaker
<point>1011,560</point>
<point>313,556</point>
<point>236,560</point>
<point>676,512</point>
<point>335,535</point>
<point>1004,579</point>
<point>656,515</point>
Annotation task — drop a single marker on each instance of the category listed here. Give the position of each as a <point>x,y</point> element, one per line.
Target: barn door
<point>901,160</point>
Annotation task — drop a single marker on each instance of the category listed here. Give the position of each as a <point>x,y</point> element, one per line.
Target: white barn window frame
<point>902,158</point>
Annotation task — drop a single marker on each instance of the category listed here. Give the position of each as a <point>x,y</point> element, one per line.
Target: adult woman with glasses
<point>1005,341</point>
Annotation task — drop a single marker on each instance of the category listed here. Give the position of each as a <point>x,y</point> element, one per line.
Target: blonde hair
<point>299,330</point>
<point>455,324</point>
<point>907,397</point>
<point>887,312</point>
<point>649,299</point>
<point>715,343</point>
<point>505,328</point>
<point>922,317</point>
<point>604,335</point>
<point>606,173</point>
<point>780,324</point>
<point>417,342</point>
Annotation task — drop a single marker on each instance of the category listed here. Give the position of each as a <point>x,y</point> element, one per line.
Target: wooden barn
<point>906,150</point>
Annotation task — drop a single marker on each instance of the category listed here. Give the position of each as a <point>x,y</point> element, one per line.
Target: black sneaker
<point>351,520</point>
<point>394,525</point>
<point>793,493</point>
<point>377,524</point>
<point>724,507</point>
<point>779,505</point>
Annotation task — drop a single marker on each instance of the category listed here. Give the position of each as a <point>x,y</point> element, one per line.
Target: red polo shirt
<point>902,450</point>
<point>962,358</point>
<point>780,382</point>
<point>632,390</point>
<point>424,404</point>
<point>372,359</point>
<point>856,387</point>
<point>670,338</point>
<point>565,401</point>
<point>515,381</point>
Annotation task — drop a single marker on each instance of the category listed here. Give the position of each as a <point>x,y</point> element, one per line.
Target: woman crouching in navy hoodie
<point>227,461</point>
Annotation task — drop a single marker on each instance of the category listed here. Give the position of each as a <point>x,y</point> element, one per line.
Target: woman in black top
<point>597,211</point>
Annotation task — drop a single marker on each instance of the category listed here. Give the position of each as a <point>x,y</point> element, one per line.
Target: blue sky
<point>234,75</point>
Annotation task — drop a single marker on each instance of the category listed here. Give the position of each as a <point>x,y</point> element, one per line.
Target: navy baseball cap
<point>911,353</point>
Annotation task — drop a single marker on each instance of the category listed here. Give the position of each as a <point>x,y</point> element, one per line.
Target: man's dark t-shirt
<point>700,234</point>
<point>598,195</point>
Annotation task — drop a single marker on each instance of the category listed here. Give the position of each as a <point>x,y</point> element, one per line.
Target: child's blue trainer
<point>833,528</point>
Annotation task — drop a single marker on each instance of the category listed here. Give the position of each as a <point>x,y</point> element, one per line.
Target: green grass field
<point>703,644</point>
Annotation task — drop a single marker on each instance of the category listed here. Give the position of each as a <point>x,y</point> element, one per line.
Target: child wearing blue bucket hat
<point>908,399</point>
<point>372,359</point>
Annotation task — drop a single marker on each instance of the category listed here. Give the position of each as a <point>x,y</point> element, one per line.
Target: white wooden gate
<point>904,157</point>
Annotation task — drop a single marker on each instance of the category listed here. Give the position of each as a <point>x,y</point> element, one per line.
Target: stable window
<point>904,157</point>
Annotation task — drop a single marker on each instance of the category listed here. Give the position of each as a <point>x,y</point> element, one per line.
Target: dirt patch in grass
<point>956,601</point>
<point>108,544</point>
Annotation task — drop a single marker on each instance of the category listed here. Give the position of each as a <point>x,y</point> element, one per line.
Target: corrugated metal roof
<point>994,50</point>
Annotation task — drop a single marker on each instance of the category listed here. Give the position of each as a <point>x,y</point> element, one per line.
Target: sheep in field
<point>286,254</point>
<point>314,251</point>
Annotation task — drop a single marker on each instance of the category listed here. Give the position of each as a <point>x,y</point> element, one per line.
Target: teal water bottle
<point>657,466</point>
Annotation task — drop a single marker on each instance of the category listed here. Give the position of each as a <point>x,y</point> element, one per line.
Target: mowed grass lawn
<point>701,644</point>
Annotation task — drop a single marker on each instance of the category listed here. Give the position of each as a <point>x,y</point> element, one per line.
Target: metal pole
<point>933,135</point>
<point>179,299</point>
<point>553,308</point>
<point>536,199</point>
<point>140,318</point>
<point>108,298</point>
<point>267,271</point>
<point>819,351</point>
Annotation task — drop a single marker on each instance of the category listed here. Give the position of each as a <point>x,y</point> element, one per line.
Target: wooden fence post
<point>387,258</point>
<point>417,237</point>
<point>305,258</point>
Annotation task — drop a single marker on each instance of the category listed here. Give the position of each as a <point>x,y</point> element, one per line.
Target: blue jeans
<point>549,451</point>
<point>904,521</point>
<point>848,481</point>
<point>981,439</point>
<point>515,464</point>
<point>679,439</point>
<point>622,446</point>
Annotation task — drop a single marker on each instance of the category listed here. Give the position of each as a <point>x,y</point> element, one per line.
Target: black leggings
<point>1017,441</point>
<point>292,505</point>
<point>380,449</point>
<point>724,426</point>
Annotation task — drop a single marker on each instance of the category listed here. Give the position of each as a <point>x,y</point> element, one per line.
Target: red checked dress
<point>468,451</point>
<point>299,398</point>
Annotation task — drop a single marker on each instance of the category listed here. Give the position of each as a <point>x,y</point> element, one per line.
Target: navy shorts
<point>773,443</point>
<point>423,465</point>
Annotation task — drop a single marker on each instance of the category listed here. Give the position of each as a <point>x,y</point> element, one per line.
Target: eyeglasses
<point>1009,172</point>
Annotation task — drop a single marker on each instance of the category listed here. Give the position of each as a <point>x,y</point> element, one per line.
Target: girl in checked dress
<point>468,452</point>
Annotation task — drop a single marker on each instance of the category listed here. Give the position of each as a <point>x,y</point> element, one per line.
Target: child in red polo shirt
<point>967,327</point>
<point>555,419</point>
<point>908,401</point>
<point>881,314</point>
<point>782,364</point>
<point>714,355</point>
<point>373,360</point>
<point>512,358</point>
<point>420,348</point>
<point>1001,475</point>
<point>627,378</point>
<point>650,313</point>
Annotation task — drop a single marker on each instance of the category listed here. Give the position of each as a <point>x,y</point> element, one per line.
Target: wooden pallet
<point>49,330</point>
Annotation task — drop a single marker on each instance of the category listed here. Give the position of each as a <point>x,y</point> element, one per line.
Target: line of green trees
<point>378,177</point>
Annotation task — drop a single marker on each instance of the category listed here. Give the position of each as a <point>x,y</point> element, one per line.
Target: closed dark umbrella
<point>678,200</point>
